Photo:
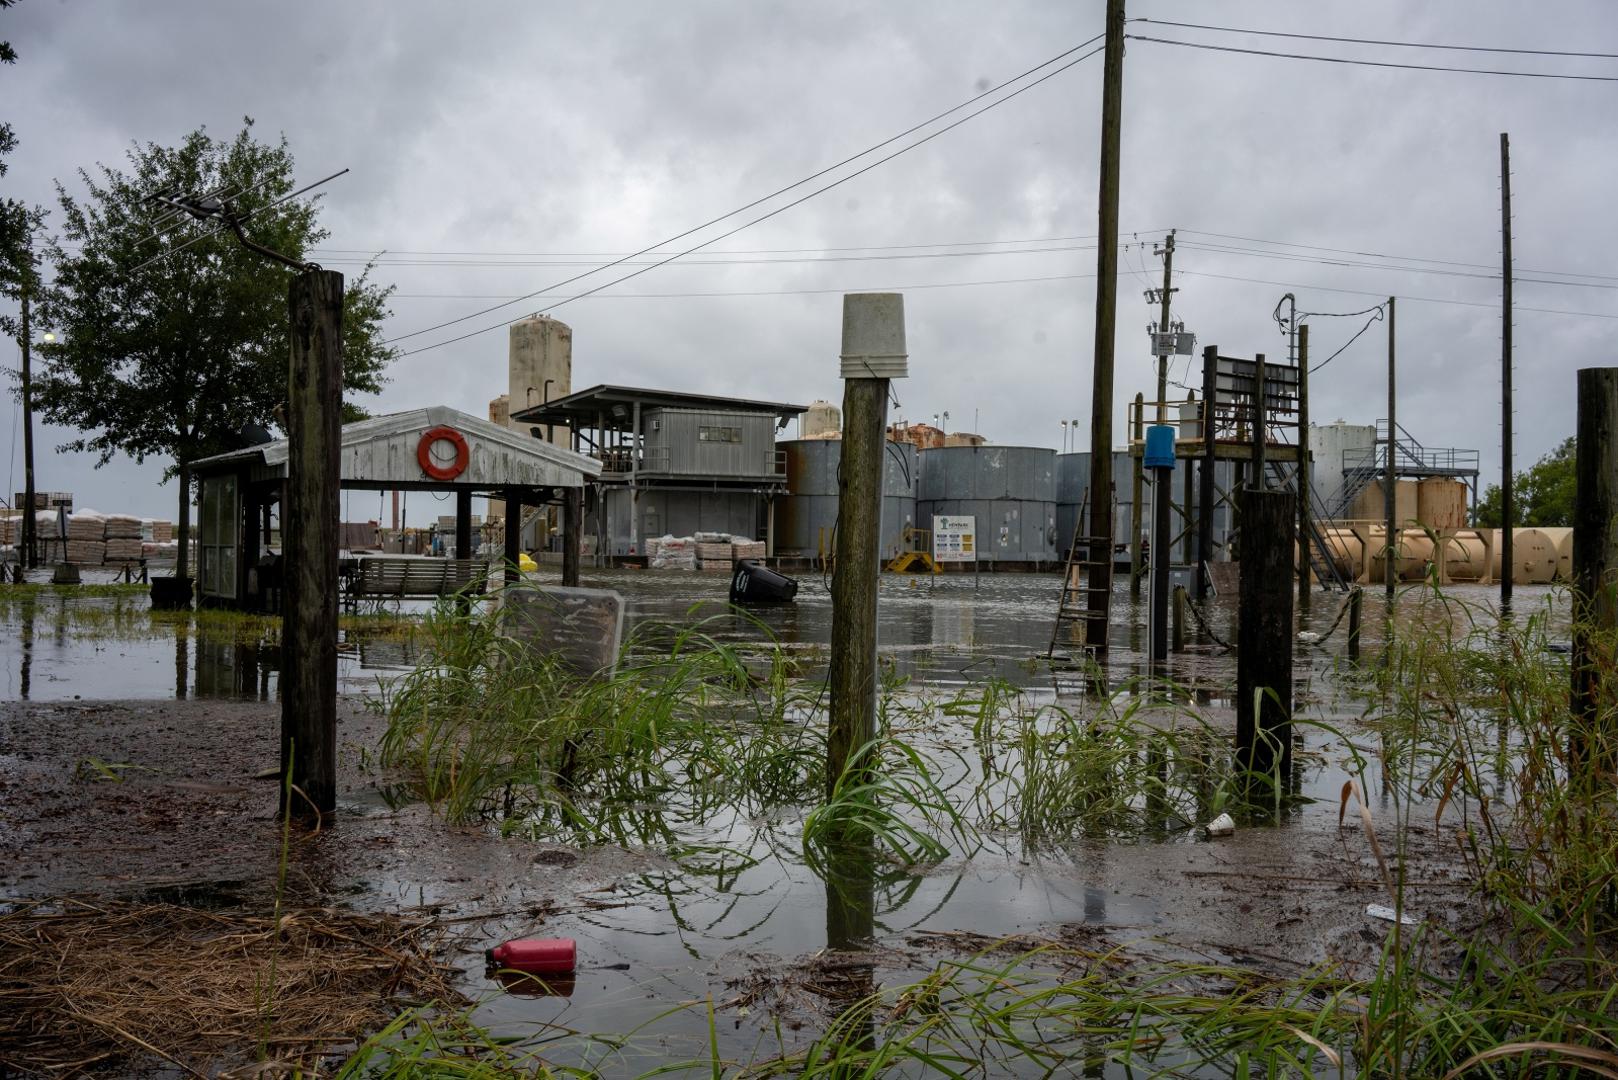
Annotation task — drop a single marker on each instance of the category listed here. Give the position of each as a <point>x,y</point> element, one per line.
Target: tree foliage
<point>171,358</point>
<point>18,223</point>
<point>1543,494</point>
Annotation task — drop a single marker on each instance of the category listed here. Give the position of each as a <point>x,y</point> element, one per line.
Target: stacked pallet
<point>671,553</point>
<point>86,538</point>
<point>123,539</point>
<point>162,532</point>
<point>10,531</point>
<point>86,552</point>
<point>746,549</point>
<point>45,526</point>
<point>714,556</point>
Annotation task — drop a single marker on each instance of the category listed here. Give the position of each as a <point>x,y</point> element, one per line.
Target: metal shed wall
<point>675,445</point>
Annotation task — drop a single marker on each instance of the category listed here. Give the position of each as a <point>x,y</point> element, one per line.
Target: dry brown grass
<point>85,985</point>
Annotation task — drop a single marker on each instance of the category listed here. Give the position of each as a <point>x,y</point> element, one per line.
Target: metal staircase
<point>1364,464</point>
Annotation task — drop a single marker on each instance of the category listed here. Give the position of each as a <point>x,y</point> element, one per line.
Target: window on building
<point>719,434</point>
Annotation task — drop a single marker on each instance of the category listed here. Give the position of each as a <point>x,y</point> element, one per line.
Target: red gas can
<point>537,956</point>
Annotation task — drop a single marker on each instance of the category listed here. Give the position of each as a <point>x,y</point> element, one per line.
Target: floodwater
<point>672,935</point>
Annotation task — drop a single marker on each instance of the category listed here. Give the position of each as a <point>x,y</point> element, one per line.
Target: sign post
<point>955,540</point>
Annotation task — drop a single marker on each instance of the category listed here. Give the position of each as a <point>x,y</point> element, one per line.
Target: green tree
<point>1543,494</point>
<point>172,358</point>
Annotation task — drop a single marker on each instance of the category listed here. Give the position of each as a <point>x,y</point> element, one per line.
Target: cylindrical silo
<point>1414,554</point>
<point>820,419</point>
<point>540,363</point>
<point>1010,490</point>
<point>1441,503</point>
<point>1371,503</point>
<point>806,517</point>
<point>1346,550</point>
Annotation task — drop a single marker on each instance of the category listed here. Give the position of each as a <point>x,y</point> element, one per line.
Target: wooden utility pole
<point>513,536</point>
<point>1390,562</point>
<point>1595,560</point>
<point>28,554</point>
<point>1264,638</point>
<point>310,528</point>
<point>873,350</point>
<point>1205,481</point>
<point>1136,495</point>
<point>1099,601</point>
<point>1507,506</point>
<point>1163,327</point>
<point>1305,534</point>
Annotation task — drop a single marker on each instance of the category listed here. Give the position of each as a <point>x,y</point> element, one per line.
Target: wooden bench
<point>378,578</point>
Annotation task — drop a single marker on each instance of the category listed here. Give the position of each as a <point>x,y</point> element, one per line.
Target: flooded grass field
<point>1034,892</point>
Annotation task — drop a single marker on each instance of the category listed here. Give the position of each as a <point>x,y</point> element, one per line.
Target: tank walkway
<point>1365,464</point>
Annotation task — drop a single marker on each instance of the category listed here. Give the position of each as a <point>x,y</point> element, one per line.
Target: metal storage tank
<point>1466,556</point>
<point>1441,503</point>
<point>1010,490</point>
<point>807,515</point>
<point>1533,557</point>
<point>1371,503</point>
<point>1072,481</point>
<point>1346,550</point>
<point>1327,442</point>
<point>819,420</point>
<point>1561,537</point>
<point>1414,554</point>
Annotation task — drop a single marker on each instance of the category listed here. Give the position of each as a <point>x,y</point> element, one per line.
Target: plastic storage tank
<point>1010,490</point>
<point>806,517</point>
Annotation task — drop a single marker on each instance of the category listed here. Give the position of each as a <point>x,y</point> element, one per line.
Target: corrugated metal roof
<point>382,450</point>
<point>587,403</point>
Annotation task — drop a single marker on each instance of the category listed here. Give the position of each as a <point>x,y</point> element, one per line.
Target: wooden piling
<point>572,530</point>
<point>1137,490</point>
<point>1305,532</point>
<point>1178,626</point>
<point>1205,481</point>
<point>310,538</point>
<point>1355,598</point>
<point>513,534</point>
<point>853,668</point>
<point>1595,562</point>
<point>1264,641</point>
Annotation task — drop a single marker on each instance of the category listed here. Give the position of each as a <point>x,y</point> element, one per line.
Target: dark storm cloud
<point>603,127</point>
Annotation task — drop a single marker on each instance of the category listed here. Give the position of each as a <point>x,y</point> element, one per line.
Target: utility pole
<point>1390,561</point>
<point>1099,601</point>
<point>1507,509</point>
<point>1595,570</point>
<point>1167,251</point>
<point>1304,531</point>
<point>28,556</point>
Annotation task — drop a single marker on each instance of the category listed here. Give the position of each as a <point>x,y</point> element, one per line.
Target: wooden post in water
<point>1179,619</point>
<point>873,352</point>
<point>1137,489</point>
<point>310,541</point>
<point>1595,559</point>
<point>463,523</point>
<point>513,534</point>
<point>572,530</point>
<point>1390,491</point>
<point>1264,640</point>
<point>1355,597</point>
<point>1261,426</point>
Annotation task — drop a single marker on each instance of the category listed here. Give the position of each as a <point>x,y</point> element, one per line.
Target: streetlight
<point>1064,436</point>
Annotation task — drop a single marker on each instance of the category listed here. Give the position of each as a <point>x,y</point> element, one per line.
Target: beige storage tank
<point>1371,504</point>
<point>1561,538</point>
<point>821,419</point>
<point>1441,503</point>
<point>1466,556</point>
<point>1346,550</point>
<point>1415,553</point>
<point>1533,557</point>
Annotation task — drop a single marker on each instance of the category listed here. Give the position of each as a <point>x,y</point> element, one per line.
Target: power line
<point>1293,257</point>
<point>1379,255</point>
<point>1373,63</point>
<point>795,202</point>
<point>1375,318</point>
<point>763,199</point>
<point>766,292</point>
<point>1402,296</point>
<point>1376,41</point>
<point>721,251</point>
<point>787,261</point>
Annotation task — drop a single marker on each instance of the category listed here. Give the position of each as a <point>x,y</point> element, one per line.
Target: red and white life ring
<point>424,453</point>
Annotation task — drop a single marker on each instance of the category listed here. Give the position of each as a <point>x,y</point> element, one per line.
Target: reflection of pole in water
<point>181,662</point>
<point>850,926</point>
<point>25,675</point>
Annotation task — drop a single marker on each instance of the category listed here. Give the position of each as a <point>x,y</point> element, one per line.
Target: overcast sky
<point>518,134</point>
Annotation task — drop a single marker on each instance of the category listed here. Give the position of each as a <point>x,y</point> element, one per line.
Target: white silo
<point>541,362</point>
